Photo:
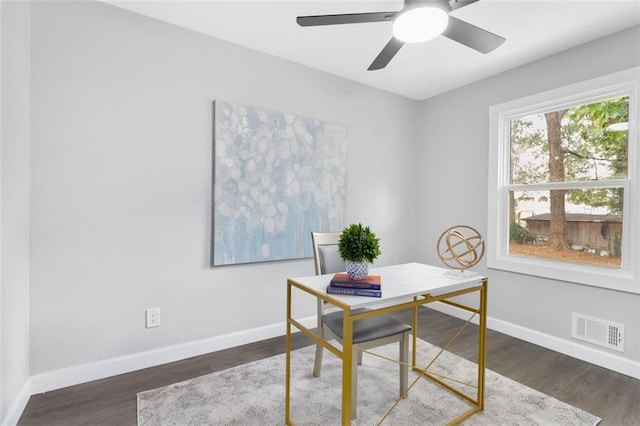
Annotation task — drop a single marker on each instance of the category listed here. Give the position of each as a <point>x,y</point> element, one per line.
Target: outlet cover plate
<point>153,317</point>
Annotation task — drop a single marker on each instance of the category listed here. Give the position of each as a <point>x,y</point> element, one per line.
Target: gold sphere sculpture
<point>460,247</point>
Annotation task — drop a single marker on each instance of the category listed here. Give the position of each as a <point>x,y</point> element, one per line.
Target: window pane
<point>586,142</point>
<point>578,225</point>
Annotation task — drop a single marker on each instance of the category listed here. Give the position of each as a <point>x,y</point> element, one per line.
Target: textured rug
<point>253,394</point>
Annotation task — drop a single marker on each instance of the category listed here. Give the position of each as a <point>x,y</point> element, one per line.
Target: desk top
<point>400,283</point>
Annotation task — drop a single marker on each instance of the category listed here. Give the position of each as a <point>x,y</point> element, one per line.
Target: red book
<point>341,280</point>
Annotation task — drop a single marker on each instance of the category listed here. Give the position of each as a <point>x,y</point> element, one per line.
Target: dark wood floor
<point>613,397</point>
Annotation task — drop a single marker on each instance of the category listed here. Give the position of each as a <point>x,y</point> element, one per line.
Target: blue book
<point>354,291</point>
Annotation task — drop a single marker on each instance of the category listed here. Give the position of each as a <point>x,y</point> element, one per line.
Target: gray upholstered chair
<point>368,332</point>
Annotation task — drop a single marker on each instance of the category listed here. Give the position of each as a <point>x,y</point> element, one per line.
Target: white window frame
<point>624,83</point>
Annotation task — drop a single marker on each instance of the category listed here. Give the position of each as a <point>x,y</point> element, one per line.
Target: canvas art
<point>277,177</point>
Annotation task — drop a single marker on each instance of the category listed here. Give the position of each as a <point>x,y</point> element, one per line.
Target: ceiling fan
<point>419,20</point>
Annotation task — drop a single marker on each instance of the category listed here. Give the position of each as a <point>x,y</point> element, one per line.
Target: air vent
<point>597,331</point>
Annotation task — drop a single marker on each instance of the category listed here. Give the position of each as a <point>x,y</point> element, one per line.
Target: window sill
<point>607,278</point>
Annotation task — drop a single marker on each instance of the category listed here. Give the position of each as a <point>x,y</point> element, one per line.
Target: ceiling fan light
<point>420,24</point>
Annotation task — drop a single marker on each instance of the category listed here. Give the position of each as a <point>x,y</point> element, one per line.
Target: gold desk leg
<point>414,333</point>
<point>482,335</point>
<point>347,365</point>
<point>287,398</point>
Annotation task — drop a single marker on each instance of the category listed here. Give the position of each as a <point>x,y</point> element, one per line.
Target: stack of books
<point>342,284</point>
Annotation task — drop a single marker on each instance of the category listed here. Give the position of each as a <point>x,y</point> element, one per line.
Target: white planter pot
<point>357,270</point>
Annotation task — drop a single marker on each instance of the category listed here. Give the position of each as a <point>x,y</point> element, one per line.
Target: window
<point>563,183</point>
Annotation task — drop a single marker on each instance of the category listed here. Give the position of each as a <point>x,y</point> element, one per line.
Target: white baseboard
<point>575,350</point>
<point>70,376</point>
<point>19,404</point>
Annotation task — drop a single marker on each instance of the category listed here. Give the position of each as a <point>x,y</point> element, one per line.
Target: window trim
<point>623,83</point>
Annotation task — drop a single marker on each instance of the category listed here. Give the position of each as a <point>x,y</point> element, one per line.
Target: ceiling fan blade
<point>387,53</point>
<point>476,38</point>
<point>457,4</point>
<point>347,18</point>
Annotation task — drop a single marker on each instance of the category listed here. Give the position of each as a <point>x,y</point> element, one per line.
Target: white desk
<point>404,286</point>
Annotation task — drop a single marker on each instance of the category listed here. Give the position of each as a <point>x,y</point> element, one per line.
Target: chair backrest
<point>326,258</point>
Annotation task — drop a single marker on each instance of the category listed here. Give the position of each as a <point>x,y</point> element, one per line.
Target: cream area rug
<point>253,394</point>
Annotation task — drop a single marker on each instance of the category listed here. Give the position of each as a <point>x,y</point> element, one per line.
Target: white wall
<point>14,208</point>
<point>455,136</point>
<point>121,180</point>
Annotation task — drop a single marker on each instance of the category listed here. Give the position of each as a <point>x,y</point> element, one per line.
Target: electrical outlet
<point>153,317</point>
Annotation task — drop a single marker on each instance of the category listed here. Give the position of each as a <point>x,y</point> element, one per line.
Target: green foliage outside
<point>358,243</point>
<point>617,246</point>
<point>518,233</point>
<point>588,130</point>
<point>591,151</point>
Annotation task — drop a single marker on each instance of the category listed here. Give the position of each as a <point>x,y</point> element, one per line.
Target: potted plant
<point>358,246</point>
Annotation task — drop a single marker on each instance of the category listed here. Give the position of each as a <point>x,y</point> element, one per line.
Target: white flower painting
<point>277,178</point>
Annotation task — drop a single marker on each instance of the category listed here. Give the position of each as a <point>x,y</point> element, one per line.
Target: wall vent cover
<point>597,331</point>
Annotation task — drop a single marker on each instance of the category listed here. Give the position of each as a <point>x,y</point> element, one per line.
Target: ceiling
<point>533,29</point>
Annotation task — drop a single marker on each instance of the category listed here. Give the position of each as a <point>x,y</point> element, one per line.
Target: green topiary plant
<point>358,244</point>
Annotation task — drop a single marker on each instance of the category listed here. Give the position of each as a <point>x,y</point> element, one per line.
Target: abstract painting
<point>277,177</point>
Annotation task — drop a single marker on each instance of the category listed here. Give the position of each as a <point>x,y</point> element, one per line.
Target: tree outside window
<point>560,150</point>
